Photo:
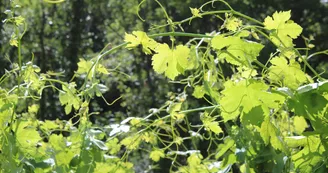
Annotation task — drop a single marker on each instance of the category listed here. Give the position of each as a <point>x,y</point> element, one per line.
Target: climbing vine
<point>265,117</point>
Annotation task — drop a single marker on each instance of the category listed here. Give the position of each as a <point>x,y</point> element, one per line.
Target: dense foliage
<point>229,111</point>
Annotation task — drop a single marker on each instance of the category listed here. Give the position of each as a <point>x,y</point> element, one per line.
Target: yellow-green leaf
<point>284,30</point>
<point>199,91</point>
<point>156,154</point>
<point>195,12</point>
<point>170,62</point>
<point>19,20</point>
<point>194,159</point>
<point>140,38</point>
<point>269,133</point>
<point>233,23</point>
<point>235,50</point>
<point>245,95</point>
<point>131,142</point>
<point>289,73</point>
<point>300,124</point>
<point>174,109</point>
<point>13,42</point>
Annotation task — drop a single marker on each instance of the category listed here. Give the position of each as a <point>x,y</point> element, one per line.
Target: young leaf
<point>235,50</point>
<point>269,133</point>
<point>290,73</point>
<point>131,142</point>
<point>214,127</point>
<point>113,145</point>
<point>194,159</point>
<point>310,158</point>
<point>210,124</point>
<point>139,37</point>
<point>284,30</point>
<point>233,23</point>
<point>69,98</point>
<point>174,109</point>
<point>84,67</point>
<point>149,137</point>
<point>13,42</point>
<point>246,95</point>
<point>199,91</point>
<point>300,124</point>
<point>19,20</point>
<point>156,154</point>
<point>171,62</point>
<point>195,12</point>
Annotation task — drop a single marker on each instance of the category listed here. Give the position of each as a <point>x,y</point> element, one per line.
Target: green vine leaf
<point>27,137</point>
<point>30,75</point>
<point>131,142</point>
<point>156,154</point>
<point>245,95</point>
<point>269,133</point>
<point>69,98</point>
<point>310,158</point>
<point>235,50</point>
<point>195,12</point>
<point>226,146</point>
<point>64,157</point>
<point>194,159</point>
<point>174,109</point>
<point>199,91</point>
<point>229,159</point>
<point>140,38</point>
<point>300,124</point>
<point>210,124</point>
<point>171,62</point>
<point>284,30</point>
<point>113,145</point>
<point>84,67</point>
<point>289,73</point>
<point>233,23</point>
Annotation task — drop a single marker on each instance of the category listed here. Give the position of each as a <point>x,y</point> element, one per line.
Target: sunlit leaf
<point>289,73</point>
<point>284,30</point>
<point>140,38</point>
<point>300,124</point>
<point>269,133</point>
<point>310,158</point>
<point>195,12</point>
<point>131,142</point>
<point>113,146</point>
<point>69,98</point>
<point>199,91</point>
<point>235,50</point>
<point>174,109</point>
<point>233,23</point>
<point>246,95</point>
<point>194,159</point>
<point>156,154</point>
<point>170,62</point>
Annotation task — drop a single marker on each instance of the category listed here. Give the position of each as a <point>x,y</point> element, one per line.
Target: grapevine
<point>264,117</point>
